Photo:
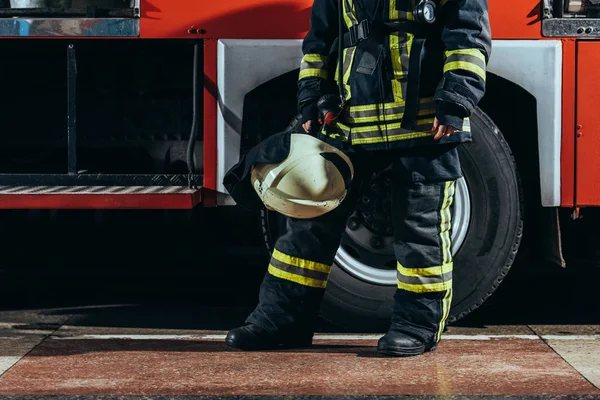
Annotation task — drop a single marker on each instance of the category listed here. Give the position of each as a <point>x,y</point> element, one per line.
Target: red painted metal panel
<point>567,157</point>
<point>588,130</point>
<point>210,122</point>
<point>101,201</point>
<point>516,19</point>
<point>290,19</point>
<point>264,19</point>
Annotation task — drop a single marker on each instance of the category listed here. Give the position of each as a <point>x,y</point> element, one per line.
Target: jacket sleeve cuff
<point>309,111</point>
<point>450,114</point>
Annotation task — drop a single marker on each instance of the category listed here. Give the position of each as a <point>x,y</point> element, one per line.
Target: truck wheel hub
<point>367,249</point>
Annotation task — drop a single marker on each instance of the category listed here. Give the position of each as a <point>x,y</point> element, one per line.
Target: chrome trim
<point>109,27</point>
<point>571,27</point>
<point>137,8</point>
<point>575,6</point>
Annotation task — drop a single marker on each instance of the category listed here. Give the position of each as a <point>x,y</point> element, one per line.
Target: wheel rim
<point>377,265</point>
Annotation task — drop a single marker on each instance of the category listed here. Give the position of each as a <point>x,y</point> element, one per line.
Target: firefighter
<point>408,77</point>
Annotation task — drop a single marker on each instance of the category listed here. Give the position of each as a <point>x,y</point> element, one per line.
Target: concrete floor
<point>55,352</point>
<point>137,308</point>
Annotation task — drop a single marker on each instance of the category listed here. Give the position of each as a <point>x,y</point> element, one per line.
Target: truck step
<point>99,197</point>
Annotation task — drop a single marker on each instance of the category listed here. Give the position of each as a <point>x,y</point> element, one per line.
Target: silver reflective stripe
<point>312,65</point>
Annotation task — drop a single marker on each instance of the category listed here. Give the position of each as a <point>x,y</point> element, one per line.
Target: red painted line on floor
<point>183,367</point>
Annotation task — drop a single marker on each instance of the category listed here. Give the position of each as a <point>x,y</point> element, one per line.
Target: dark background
<point>201,269</point>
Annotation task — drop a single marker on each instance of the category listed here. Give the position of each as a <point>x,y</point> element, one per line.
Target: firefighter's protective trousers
<point>423,182</point>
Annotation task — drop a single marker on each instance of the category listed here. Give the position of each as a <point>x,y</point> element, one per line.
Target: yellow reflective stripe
<point>425,288</point>
<point>465,65</point>
<point>397,68</point>
<point>314,57</point>
<point>343,127</point>
<point>363,129</point>
<point>446,302</point>
<point>348,69</point>
<point>466,52</point>
<point>302,280</point>
<point>395,54</point>
<point>337,68</point>
<point>444,226</point>
<point>449,221</point>
<point>391,138</point>
<point>393,11</point>
<point>348,61</point>
<point>438,270</point>
<point>466,125</point>
<point>350,20</point>
<point>313,65</point>
<point>301,263</point>
<point>380,106</point>
<point>398,72</point>
<point>375,107</point>
<point>349,17</point>
<point>443,2</point>
<point>446,222</point>
<point>319,73</point>
<point>379,118</point>
<point>314,60</point>
<point>387,117</point>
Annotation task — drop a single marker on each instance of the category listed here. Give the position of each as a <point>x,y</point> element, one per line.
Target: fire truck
<point>146,104</point>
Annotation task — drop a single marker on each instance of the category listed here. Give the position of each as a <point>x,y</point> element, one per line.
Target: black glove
<point>451,114</point>
<point>310,112</point>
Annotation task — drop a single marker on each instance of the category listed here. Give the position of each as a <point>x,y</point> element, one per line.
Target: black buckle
<point>359,32</point>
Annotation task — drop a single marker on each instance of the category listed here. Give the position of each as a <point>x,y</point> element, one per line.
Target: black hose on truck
<point>191,164</point>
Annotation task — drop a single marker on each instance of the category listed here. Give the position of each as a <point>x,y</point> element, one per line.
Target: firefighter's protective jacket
<point>451,79</point>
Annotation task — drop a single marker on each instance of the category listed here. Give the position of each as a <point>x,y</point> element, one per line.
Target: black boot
<point>285,316</point>
<point>252,337</point>
<point>403,344</point>
<point>417,323</point>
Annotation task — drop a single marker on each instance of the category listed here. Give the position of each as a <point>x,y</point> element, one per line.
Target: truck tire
<point>487,231</point>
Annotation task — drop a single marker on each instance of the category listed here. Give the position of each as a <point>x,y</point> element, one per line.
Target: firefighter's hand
<point>442,130</point>
<point>307,125</point>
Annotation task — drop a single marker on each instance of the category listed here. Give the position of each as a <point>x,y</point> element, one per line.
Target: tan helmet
<point>311,181</point>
